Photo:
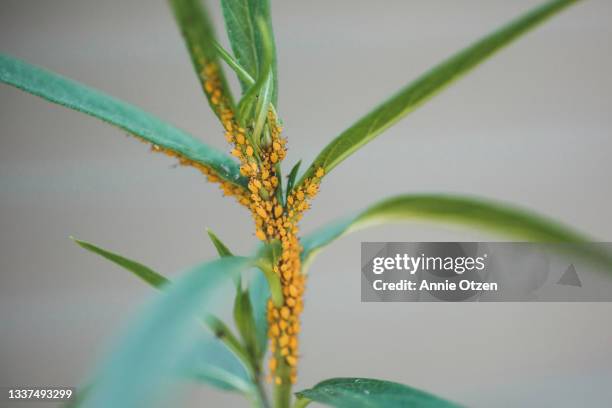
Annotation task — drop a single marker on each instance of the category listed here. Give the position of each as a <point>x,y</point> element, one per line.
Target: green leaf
<point>254,106</point>
<point>265,260</point>
<point>245,322</point>
<point>143,272</point>
<point>242,74</point>
<point>197,29</point>
<point>262,106</point>
<point>291,178</point>
<point>79,97</point>
<point>259,293</point>
<point>159,346</point>
<point>224,335</point>
<point>370,393</point>
<point>222,250</point>
<point>510,221</point>
<point>220,370</point>
<point>417,92</point>
<point>246,38</point>
<point>214,364</point>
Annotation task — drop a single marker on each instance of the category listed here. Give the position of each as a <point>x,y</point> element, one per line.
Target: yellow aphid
<point>240,138</point>
<point>283,340</point>
<point>261,212</point>
<point>292,361</point>
<point>236,153</point>
<point>278,380</point>
<point>293,291</point>
<point>283,325</point>
<point>272,364</point>
<point>260,234</point>
<point>249,151</point>
<point>278,211</point>
<point>312,189</point>
<point>285,313</point>
<point>274,157</point>
<point>245,170</point>
<point>284,351</point>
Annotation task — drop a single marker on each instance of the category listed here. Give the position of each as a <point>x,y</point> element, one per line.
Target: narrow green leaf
<point>265,261</point>
<point>225,336</point>
<point>259,293</point>
<point>197,29</point>
<point>370,393</point>
<point>220,371</point>
<point>214,364</point>
<point>143,272</point>
<point>222,250</point>
<point>291,178</point>
<point>241,27</point>
<point>417,92</point>
<point>154,352</point>
<point>262,107</point>
<point>79,97</point>
<point>245,322</point>
<point>489,215</point>
<point>265,42</point>
<point>241,21</point>
<point>242,74</point>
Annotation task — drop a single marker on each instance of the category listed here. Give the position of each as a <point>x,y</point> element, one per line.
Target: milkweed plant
<point>177,338</point>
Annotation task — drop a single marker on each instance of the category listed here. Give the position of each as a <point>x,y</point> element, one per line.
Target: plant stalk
<point>282,391</point>
<point>261,393</point>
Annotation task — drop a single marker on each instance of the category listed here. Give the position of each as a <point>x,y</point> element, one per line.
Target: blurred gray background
<point>532,126</point>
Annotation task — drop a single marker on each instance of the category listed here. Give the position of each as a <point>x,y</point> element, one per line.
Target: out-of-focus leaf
<point>259,293</point>
<point>158,347</point>
<point>248,43</point>
<point>143,272</point>
<point>370,393</point>
<point>224,370</point>
<point>79,97</point>
<point>510,221</point>
<point>245,322</point>
<point>214,364</point>
<point>197,29</point>
<point>417,92</point>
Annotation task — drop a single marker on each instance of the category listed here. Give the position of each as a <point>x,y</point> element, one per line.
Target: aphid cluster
<point>274,220</point>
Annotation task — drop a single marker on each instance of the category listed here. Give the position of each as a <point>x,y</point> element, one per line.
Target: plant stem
<point>282,391</point>
<point>261,393</point>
